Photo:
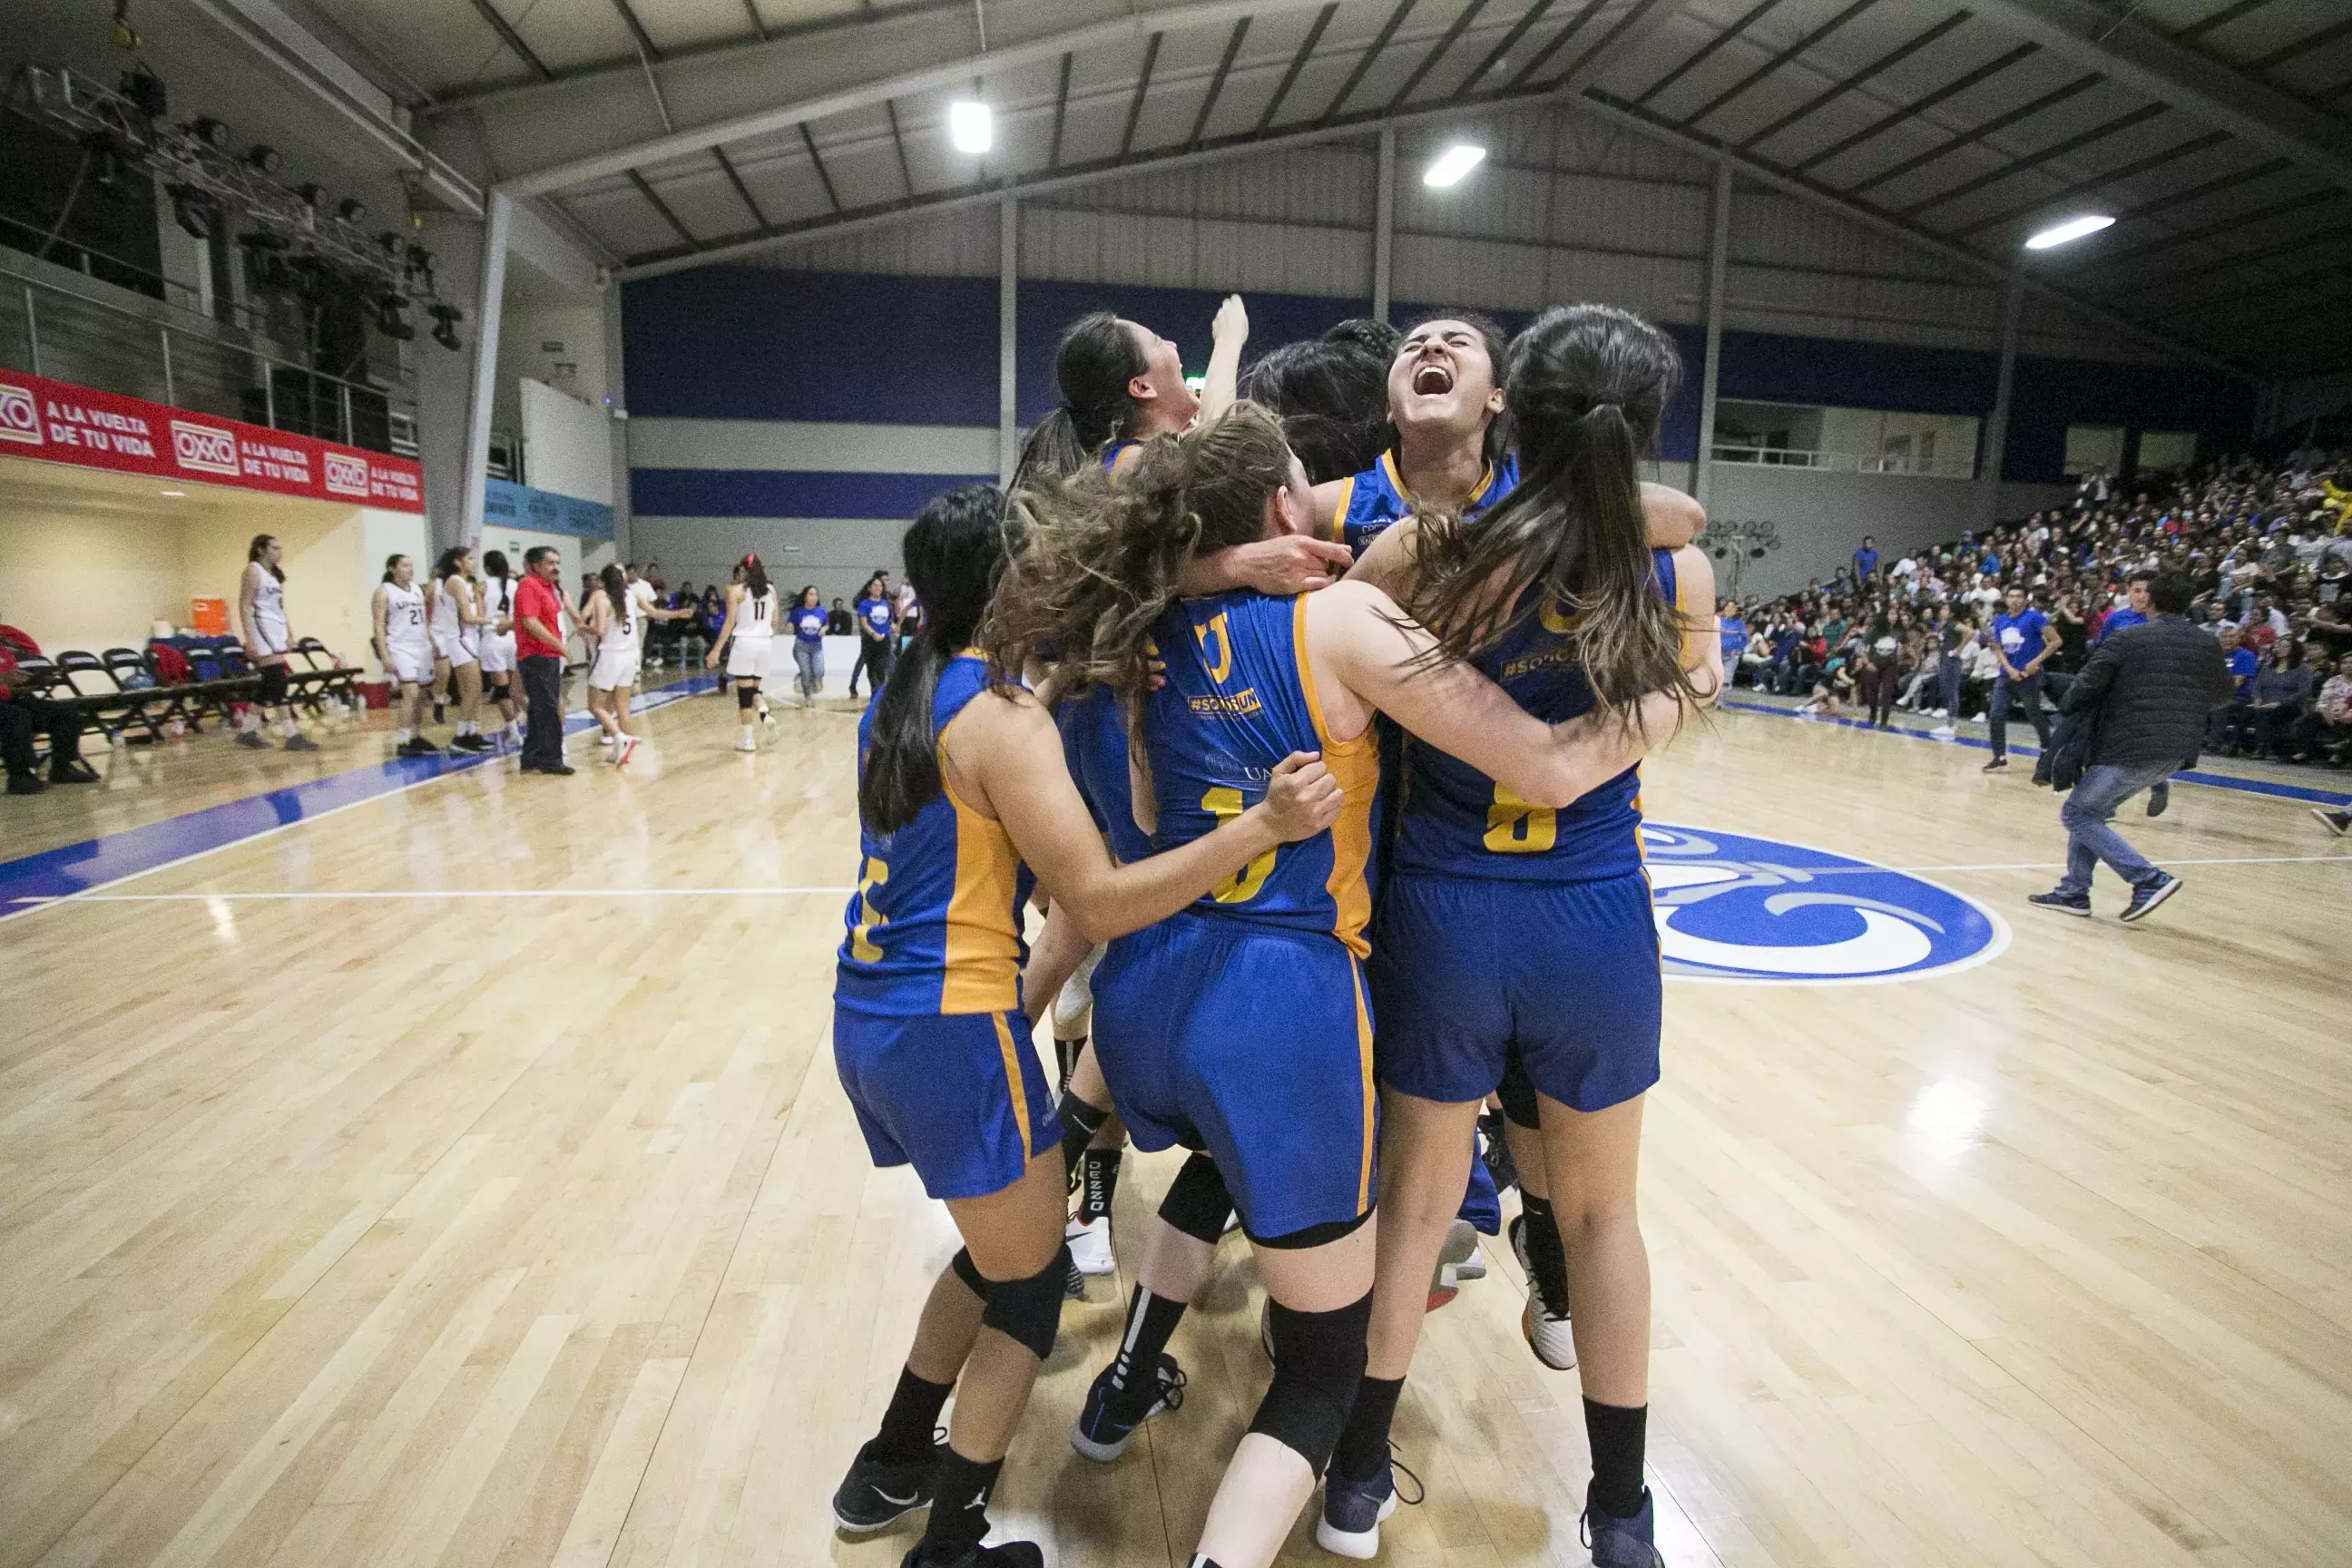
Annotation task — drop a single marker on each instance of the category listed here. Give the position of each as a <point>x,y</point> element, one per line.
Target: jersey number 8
<point>1224,803</point>
<point>1515,826</point>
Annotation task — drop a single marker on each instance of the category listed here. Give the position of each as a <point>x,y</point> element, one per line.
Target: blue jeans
<point>2026,691</point>
<point>1947,677</point>
<point>2089,839</point>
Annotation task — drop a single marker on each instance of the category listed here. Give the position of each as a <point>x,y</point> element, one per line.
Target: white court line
<point>2166,861</point>
<point>437,893</point>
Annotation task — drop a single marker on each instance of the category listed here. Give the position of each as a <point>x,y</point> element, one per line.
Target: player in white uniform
<point>456,623</point>
<point>496,595</point>
<point>748,633</point>
<point>406,650</point>
<point>261,613</point>
<point>614,624</point>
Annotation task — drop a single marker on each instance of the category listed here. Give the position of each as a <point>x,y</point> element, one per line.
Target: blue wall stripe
<point>771,492</point>
<point>33,881</point>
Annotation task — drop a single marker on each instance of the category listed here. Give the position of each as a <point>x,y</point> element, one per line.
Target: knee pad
<point>272,690</point>
<point>1318,1361</point>
<point>746,694</point>
<point>1197,1202</point>
<point>969,1272</point>
<point>1029,1311</point>
<point>1517,1093</point>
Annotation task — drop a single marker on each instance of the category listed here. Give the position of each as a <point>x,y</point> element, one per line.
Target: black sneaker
<point>1102,1433</point>
<point>2064,903</point>
<point>877,1493</point>
<point>26,783</point>
<point>2151,893</point>
<point>1012,1554</point>
<point>2159,796</point>
<point>469,744</point>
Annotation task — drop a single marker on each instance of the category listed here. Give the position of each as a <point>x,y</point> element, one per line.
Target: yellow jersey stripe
<point>1013,1083</point>
<point>1340,512</point>
<point>1372,1094</point>
<point>1357,765</point>
<point>981,950</point>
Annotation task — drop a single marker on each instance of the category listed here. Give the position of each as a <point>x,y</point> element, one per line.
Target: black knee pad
<point>1029,1311</point>
<point>271,693</point>
<point>746,694</point>
<point>1197,1202</point>
<point>1517,1093</point>
<point>969,1272</point>
<point>1318,1361</point>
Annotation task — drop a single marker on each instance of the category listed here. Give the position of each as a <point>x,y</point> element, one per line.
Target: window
<point>2094,448</point>
<point>2166,451</point>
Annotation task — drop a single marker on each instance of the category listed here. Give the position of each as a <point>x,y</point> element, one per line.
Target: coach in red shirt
<point>538,650</point>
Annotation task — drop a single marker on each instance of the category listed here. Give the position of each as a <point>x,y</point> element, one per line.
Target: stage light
<point>312,194</point>
<point>262,156</point>
<point>145,91</point>
<point>391,317</point>
<point>1451,165</point>
<point>444,326</point>
<point>197,212</point>
<point>104,157</point>
<point>210,132</point>
<point>350,209</point>
<point>2072,229</point>
<point>971,127</point>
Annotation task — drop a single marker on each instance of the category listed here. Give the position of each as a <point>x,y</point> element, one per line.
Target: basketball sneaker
<point>1623,1542</point>
<point>622,750</point>
<point>1543,1322</point>
<point>469,744</point>
<point>2151,893</point>
<point>1089,1242</point>
<point>1102,1432</point>
<point>1353,1511</point>
<point>744,740</point>
<point>1461,1243</point>
<point>298,741</point>
<point>2336,822</point>
<point>877,1493</point>
<point>1012,1554</point>
<point>251,740</point>
<point>2064,903</point>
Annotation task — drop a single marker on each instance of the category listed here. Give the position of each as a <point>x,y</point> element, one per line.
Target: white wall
<point>559,344</point>
<point>567,444</point>
<point>1822,517</point>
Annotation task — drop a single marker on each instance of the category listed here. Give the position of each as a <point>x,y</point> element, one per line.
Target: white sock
<point>291,729</point>
<point>406,736</point>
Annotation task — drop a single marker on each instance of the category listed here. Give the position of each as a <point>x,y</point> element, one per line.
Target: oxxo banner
<point>58,423</point>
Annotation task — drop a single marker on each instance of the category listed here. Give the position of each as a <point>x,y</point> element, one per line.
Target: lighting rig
<point>1738,542</point>
<point>296,240</point>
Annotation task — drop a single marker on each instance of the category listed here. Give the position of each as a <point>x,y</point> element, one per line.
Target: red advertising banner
<point>62,424</point>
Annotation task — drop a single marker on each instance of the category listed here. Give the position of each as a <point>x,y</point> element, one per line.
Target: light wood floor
<point>373,1226</point>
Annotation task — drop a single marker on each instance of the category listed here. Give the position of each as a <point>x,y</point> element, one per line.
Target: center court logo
<point>1763,912</point>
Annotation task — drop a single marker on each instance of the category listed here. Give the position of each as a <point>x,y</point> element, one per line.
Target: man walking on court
<point>539,652</point>
<point>2148,689</point>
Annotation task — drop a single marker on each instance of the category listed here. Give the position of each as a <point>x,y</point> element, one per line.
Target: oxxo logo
<point>346,475</point>
<point>20,415</point>
<point>207,449</point>
<point>1758,911</point>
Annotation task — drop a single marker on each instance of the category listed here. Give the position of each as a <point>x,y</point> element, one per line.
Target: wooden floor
<point>345,1219</point>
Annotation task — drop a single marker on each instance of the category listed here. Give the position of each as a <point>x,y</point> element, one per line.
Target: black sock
<point>1134,1375</point>
<point>1545,1253</point>
<point>960,1490</point>
<point>1065,1061</point>
<point>1097,1180</point>
<point>1615,1432</point>
<point>914,1411</point>
<point>1363,1444</point>
<point>1080,1122</point>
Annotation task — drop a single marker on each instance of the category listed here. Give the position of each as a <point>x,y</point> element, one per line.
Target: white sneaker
<point>1089,1242</point>
<point>744,741</point>
<point>1943,731</point>
<point>623,751</point>
<point>1549,1337</point>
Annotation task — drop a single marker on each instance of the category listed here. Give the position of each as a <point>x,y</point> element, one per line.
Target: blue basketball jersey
<point>1456,820</point>
<point>1094,744</point>
<point>935,924</point>
<point>1377,499</point>
<point>1113,449</point>
<point>1240,698</point>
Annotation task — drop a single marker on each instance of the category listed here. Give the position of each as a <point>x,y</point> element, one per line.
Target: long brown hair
<point>255,550</point>
<point>1100,557</point>
<point>1588,384</point>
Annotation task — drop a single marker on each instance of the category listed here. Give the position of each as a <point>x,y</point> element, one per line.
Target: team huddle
<point>1309,708</point>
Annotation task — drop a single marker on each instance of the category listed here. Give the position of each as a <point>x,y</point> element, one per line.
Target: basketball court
<point>461,1175</point>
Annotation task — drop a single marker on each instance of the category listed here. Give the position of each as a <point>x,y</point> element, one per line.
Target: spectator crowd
<point>1977,627</point>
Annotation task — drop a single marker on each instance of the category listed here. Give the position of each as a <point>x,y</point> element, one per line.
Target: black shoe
<point>72,770</point>
<point>2334,821</point>
<point>469,744</point>
<point>1995,765</point>
<point>1012,1554</point>
<point>877,1493</point>
<point>2064,903</point>
<point>558,770</point>
<point>2159,796</point>
<point>2151,893</point>
<point>1102,1433</point>
<point>26,783</point>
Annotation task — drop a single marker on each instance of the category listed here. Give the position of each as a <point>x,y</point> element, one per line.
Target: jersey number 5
<point>1224,803</point>
<point>1515,826</point>
<point>861,944</point>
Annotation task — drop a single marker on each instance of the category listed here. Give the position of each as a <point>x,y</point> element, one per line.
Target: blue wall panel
<point>771,492</point>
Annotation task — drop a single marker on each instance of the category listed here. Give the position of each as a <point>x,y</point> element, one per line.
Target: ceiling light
<point>1452,164</point>
<point>175,495</point>
<point>2073,228</point>
<point>971,127</point>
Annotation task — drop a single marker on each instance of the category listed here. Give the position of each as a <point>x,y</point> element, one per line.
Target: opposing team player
<point>404,649</point>
<point>496,646</point>
<point>455,618</point>
<point>613,625</point>
<point>261,616</point>
<point>748,633</point>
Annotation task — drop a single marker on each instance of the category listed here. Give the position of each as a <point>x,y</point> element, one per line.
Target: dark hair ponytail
<point>448,565</point>
<point>258,548</point>
<point>1587,386</point>
<point>616,591</point>
<point>1332,396</point>
<point>1095,360</point>
<point>954,550</point>
<point>755,576</point>
<point>392,564</point>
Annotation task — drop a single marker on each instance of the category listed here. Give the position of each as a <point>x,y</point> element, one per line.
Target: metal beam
<point>2219,19</point>
<point>1364,64</point>
<point>1916,106</point>
<point>646,190</point>
<point>1297,64</point>
<point>1718,253</point>
<point>1384,225</point>
<point>1844,85</point>
<point>2226,225</point>
<point>1437,51</point>
<point>899,145</point>
<point>1061,112</point>
<point>1217,82</point>
<point>2172,154</point>
<point>490,301</point>
<point>512,39</point>
<point>742,190</point>
<point>1142,86</point>
<point>1542,56</point>
<point>2138,57</point>
<point>1996,428</point>
<point>1642,21</point>
<point>758,23</point>
<point>2076,144</point>
<point>2307,44</point>
<point>1705,51</point>
<point>817,164</point>
<point>1969,138</point>
<point>1008,339</point>
<point>1780,59</point>
<point>1508,42</point>
<point>1104,34</point>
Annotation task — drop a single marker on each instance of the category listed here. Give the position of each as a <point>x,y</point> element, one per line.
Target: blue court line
<point>2193,776</point>
<point>37,880</point>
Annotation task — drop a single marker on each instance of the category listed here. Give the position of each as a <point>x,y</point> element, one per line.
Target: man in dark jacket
<point>2149,690</point>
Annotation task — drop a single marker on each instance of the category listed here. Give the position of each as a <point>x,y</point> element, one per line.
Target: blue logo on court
<point>1731,908</point>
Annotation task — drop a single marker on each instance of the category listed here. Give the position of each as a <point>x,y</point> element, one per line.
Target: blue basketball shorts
<point>1465,969</point>
<point>1256,1044</point>
<point>958,1096</point>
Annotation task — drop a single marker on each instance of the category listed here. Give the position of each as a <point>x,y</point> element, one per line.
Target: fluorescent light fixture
<point>2072,229</point>
<point>970,127</point>
<point>1453,163</point>
<point>175,495</point>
